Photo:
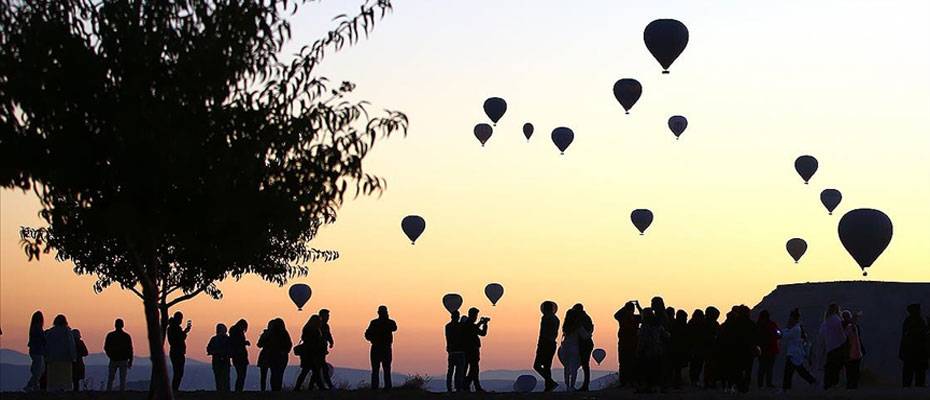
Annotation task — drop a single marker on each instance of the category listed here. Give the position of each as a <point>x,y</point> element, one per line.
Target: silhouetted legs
<point>262,377</point>
<point>36,369</point>
<point>300,379</point>
<point>790,369</point>
<point>764,374</point>
<point>455,375</point>
<point>177,368</point>
<point>381,360</point>
<point>585,348</point>
<point>545,351</point>
<point>327,374</point>
<point>831,371</point>
<point>852,374</point>
<point>241,370</point>
<point>915,372</point>
<point>472,378</point>
<point>221,375</point>
<point>121,367</point>
<point>277,376</point>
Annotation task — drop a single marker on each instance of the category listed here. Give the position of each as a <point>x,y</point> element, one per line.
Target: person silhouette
<point>455,371</point>
<point>627,338</point>
<point>650,350</point>
<point>679,346</point>
<point>835,344</point>
<point>78,369</point>
<point>220,349</point>
<point>573,334</point>
<point>856,351</point>
<point>118,348</point>
<point>37,349</point>
<point>276,344</point>
<point>915,348</point>
<point>239,352</point>
<point>546,344</point>
<point>329,342</point>
<point>768,336</point>
<point>177,343</point>
<point>712,363</point>
<point>311,351</point>
<point>585,345</point>
<point>696,350</point>
<point>61,353</point>
<point>380,333</point>
<point>473,330</point>
<point>796,345</point>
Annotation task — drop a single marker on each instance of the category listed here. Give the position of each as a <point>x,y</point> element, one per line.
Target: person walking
<point>220,350</point>
<point>276,344</point>
<point>455,370</point>
<point>177,348</point>
<point>835,344</point>
<point>61,355</point>
<point>311,350</point>
<point>856,352</point>
<point>78,369</point>
<point>118,348</point>
<point>380,333</point>
<point>239,352</point>
<point>768,336</point>
<point>37,351</point>
<point>796,351</point>
<point>546,344</point>
<point>915,348</point>
<point>474,329</point>
<point>586,345</point>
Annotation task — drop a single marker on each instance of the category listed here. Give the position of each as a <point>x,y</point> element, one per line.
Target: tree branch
<point>187,296</point>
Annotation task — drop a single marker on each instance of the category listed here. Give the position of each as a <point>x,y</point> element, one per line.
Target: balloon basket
<point>627,113</point>
<point>665,72</point>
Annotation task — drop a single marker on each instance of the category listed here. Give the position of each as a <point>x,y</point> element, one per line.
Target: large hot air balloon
<point>483,133</point>
<point>452,301</point>
<point>677,124</point>
<point>599,355</point>
<point>494,291</point>
<point>796,248</point>
<point>806,167</point>
<point>413,226</point>
<point>627,92</point>
<point>495,107</point>
<point>528,130</point>
<point>865,234</point>
<point>524,384</point>
<point>562,137</point>
<point>641,218</point>
<point>666,39</point>
<point>830,199</point>
<point>300,293</point>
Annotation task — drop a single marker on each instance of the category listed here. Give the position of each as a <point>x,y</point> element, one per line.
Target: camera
<point>485,319</point>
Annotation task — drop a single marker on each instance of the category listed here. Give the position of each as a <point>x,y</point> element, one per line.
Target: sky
<point>844,81</point>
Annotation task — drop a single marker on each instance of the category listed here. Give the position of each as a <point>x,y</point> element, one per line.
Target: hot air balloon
<point>677,124</point>
<point>599,355</point>
<point>666,39</point>
<point>865,234</point>
<point>627,92</point>
<point>483,133</point>
<point>524,384</point>
<point>300,293</point>
<point>413,226</point>
<point>641,218</point>
<point>528,130</point>
<point>796,248</point>
<point>806,167</point>
<point>452,302</point>
<point>562,137</point>
<point>830,199</point>
<point>494,291</point>
<point>495,107</point>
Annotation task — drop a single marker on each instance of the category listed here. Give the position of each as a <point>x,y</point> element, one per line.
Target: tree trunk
<point>159,387</point>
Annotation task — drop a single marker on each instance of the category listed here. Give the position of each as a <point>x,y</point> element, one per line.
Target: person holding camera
<point>473,330</point>
<point>177,344</point>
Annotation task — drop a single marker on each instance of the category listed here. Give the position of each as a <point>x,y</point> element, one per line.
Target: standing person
<point>627,338</point>
<point>768,336</point>
<point>61,355</point>
<point>679,346</point>
<point>914,348</point>
<point>78,369</point>
<point>586,345</point>
<point>455,372</point>
<point>37,351</point>
<point>329,343</point>
<point>712,361</point>
<point>380,333</point>
<point>573,332</point>
<point>696,351</point>
<point>263,362</point>
<point>796,351</point>
<point>649,351</point>
<point>276,344</point>
<point>220,350</point>
<point>835,344</point>
<point>473,330</point>
<point>177,352</point>
<point>118,348</point>
<point>854,337</point>
<point>239,352</point>
<point>311,350</point>
<point>546,345</point>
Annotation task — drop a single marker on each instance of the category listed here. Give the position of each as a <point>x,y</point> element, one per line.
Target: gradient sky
<point>844,81</point>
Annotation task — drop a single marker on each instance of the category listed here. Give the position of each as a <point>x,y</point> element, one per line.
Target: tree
<point>172,146</point>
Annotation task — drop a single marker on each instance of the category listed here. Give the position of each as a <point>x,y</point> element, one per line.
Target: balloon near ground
<point>641,218</point>
<point>796,248</point>
<point>677,124</point>
<point>562,137</point>
<point>599,355</point>
<point>830,199</point>
<point>865,234</point>
<point>300,294</point>
<point>524,384</point>
<point>413,226</point>
<point>528,130</point>
<point>494,108</point>
<point>627,92</point>
<point>806,166</point>
<point>494,292</point>
<point>666,39</point>
<point>452,301</point>
<point>483,133</point>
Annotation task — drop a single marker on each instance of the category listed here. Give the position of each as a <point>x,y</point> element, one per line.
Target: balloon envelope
<point>599,355</point>
<point>641,218</point>
<point>413,226</point>
<point>627,92</point>
<point>524,384</point>
<point>806,167</point>
<point>865,234</point>
<point>677,124</point>
<point>483,132</point>
<point>528,130</point>
<point>830,199</point>
<point>452,301</point>
<point>494,292</point>
<point>796,248</point>
<point>300,293</point>
<point>495,107</point>
<point>562,137</point>
<point>666,39</point>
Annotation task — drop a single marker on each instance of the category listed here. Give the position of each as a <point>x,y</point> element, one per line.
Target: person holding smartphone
<point>177,342</point>
<point>473,331</point>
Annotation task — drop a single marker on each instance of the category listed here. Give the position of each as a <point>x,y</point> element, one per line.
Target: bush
<point>416,382</point>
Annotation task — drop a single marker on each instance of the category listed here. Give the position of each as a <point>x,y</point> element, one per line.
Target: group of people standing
<point>463,345</point>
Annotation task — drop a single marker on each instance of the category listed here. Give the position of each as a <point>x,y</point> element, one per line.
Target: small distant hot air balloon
<point>806,167</point>
<point>300,294</point>
<point>627,92</point>
<point>830,199</point>
<point>666,39</point>
<point>599,355</point>
<point>796,248</point>
<point>495,107</point>
<point>677,124</point>
<point>528,130</point>
<point>483,133</point>
<point>452,301</point>
<point>562,137</point>
<point>494,292</point>
<point>413,226</point>
<point>641,218</point>
<point>524,384</point>
<point>865,234</point>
